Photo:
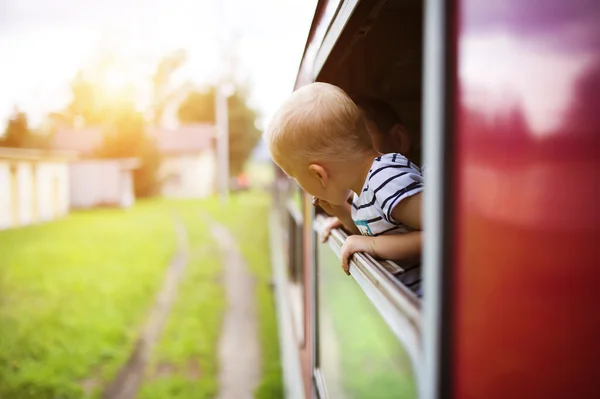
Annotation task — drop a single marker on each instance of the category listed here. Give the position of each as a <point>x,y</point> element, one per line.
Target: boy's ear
<point>320,173</point>
<point>401,136</point>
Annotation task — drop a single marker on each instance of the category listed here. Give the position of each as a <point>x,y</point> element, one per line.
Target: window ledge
<point>397,305</point>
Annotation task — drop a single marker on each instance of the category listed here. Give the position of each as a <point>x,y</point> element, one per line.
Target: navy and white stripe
<point>392,178</point>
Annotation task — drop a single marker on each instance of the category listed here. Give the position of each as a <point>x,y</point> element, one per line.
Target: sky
<point>44,43</point>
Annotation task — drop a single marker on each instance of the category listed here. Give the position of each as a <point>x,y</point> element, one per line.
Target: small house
<point>188,167</point>
<point>102,182</point>
<point>34,186</point>
<point>93,181</point>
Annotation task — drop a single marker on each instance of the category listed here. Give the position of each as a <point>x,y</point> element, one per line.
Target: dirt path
<point>239,347</point>
<point>130,377</point>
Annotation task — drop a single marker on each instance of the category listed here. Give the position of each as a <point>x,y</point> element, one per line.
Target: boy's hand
<point>352,245</point>
<point>330,224</point>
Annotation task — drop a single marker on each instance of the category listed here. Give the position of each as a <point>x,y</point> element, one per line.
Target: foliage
<point>164,94</point>
<point>17,134</point>
<point>199,106</point>
<point>126,138</point>
<point>72,294</point>
<point>115,112</point>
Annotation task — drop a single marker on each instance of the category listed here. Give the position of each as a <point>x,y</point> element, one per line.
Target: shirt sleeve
<point>393,182</point>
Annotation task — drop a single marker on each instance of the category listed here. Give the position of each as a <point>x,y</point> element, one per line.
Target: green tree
<point>199,106</point>
<point>126,137</point>
<point>163,91</point>
<point>18,134</point>
<point>123,126</point>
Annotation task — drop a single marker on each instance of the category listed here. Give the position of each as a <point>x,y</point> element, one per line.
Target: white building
<point>188,167</point>
<point>95,182</point>
<point>34,186</point>
<point>102,182</point>
<point>187,170</point>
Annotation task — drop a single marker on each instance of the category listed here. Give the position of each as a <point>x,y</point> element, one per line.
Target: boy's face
<point>316,181</point>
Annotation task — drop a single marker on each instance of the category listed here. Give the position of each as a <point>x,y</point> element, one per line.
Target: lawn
<point>73,294</point>
<point>247,219</point>
<point>185,363</point>
<point>245,216</point>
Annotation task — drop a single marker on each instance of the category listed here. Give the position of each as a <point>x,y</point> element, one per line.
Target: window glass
<point>358,355</point>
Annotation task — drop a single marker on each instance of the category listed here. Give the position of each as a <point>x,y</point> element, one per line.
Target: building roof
<point>82,140</point>
<point>36,155</point>
<point>123,163</point>
<point>183,139</point>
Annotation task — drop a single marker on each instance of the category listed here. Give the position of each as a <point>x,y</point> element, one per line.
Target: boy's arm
<point>394,246</point>
<point>408,212</point>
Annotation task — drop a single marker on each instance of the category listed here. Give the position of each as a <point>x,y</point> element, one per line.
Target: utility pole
<point>221,110</point>
<point>222,119</point>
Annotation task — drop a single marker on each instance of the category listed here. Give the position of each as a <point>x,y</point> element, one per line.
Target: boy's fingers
<point>315,201</point>
<point>345,260</point>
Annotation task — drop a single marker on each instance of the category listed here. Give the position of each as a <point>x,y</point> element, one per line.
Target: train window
<point>363,332</point>
<point>368,327</point>
<point>359,356</point>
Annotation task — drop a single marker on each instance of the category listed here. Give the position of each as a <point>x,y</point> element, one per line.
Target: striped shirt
<point>391,179</point>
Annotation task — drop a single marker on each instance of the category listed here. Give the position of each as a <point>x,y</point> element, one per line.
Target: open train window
<point>377,52</point>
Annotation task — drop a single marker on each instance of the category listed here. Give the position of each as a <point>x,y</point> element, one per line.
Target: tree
<point>199,106</point>
<point>17,133</point>
<point>163,92</point>
<point>113,109</point>
<point>126,137</point>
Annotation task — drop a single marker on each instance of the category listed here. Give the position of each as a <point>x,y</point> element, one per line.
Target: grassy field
<point>74,292</point>
<point>246,217</point>
<point>185,361</point>
<point>248,221</point>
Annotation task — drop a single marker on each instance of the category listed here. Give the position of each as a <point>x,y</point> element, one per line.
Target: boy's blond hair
<point>317,122</point>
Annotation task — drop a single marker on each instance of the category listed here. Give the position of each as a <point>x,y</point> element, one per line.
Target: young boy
<point>319,137</point>
<point>388,135</point>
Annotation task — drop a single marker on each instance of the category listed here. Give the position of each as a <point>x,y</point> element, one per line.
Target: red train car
<point>505,98</point>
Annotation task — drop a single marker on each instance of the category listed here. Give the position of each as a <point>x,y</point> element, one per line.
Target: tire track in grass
<point>129,378</point>
<point>239,347</point>
<point>184,363</point>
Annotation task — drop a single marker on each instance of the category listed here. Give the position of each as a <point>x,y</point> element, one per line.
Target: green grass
<point>246,217</point>
<point>191,342</point>
<point>72,295</point>
<point>185,361</point>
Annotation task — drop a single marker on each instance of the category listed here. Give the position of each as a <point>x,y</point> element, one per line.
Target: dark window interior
<point>380,54</point>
